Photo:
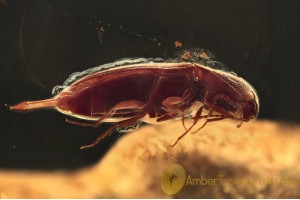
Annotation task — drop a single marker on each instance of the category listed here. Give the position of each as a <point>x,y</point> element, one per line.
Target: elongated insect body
<point>129,90</point>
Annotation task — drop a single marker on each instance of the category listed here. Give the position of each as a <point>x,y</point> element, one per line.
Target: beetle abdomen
<point>97,99</point>
<point>149,85</point>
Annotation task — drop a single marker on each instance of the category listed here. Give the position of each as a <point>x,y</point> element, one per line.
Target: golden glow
<point>173,179</point>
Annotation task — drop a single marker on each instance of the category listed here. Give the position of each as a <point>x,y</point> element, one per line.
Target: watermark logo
<point>173,179</point>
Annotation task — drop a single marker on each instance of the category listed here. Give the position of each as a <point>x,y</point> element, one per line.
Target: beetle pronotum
<point>130,90</point>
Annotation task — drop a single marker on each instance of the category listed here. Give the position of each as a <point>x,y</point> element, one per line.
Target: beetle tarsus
<point>239,125</point>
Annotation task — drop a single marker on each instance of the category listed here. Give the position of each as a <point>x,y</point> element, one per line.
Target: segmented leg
<point>196,118</point>
<point>182,120</point>
<point>209,120</point>
<point>179,138</point>
<point>126,122</point>
<point>175,104</point>
<point>134,105</point>
<point>178,102</point>
<point>239,125</point>
<point>80,123</point>
<point>167,117</point>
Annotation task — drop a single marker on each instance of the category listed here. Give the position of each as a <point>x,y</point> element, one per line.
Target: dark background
<point>43,41</point>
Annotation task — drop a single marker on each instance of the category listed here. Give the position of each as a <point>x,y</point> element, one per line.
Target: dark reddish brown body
<point>160,90</point>
<point>95,95</point>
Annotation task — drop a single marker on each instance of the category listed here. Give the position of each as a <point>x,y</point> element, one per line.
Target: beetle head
<point>243,110</point>
<point>239,107</point>
<point>249,110</point>
<point>228,94</point>
<point>232,96</point>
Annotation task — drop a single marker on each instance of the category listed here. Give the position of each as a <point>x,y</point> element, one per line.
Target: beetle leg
<point>173,102</point>
<point>137,105</point>
<point>209,120</point>
<point>182,120</point>
<point>179,138</point>
<point>198,114</point>
<point>80,123</point>
<point>196,118</point>
<point>187,94</point>
<point>167,117</point>
<point>177,103</point>
<point>189,129</point>
<point>239,125</point>
<point>126,122</point>
<point>172,116</point>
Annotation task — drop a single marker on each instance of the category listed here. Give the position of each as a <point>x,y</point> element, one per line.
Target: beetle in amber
<point>133,90</point>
